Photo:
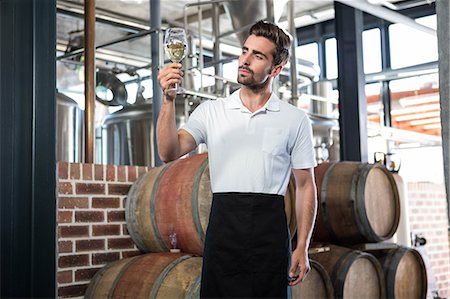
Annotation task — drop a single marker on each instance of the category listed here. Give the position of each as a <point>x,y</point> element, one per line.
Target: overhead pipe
<point>155,23</point>
<point>107,44</point>
<point>293,67</point>
<point>89,79</point>
<point>387,14</point>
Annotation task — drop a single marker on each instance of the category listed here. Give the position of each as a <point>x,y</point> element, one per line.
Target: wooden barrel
<point>155,275</point>
<point>177,198</point>
<point>317,284</point>
<point>404,271</point>
<point>354,274</point>
<point>358,203</point>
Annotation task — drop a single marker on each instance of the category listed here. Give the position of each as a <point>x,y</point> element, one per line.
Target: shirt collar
<point>234,102</point>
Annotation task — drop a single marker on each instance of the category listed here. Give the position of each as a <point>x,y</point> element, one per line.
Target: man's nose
<point>245,59</point>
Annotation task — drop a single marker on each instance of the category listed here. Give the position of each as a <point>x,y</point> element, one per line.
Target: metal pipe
<point>115,41</point>
<point>216,48</point>
<point>89,79</point>
<point>387,14</point>
<point>104,15</point>
<point>155,23</point>
<point>200,94</point>
<point>293,68</point>
<point>200,47</point>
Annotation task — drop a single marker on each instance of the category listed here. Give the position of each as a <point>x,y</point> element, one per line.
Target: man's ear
<point>276,70</point>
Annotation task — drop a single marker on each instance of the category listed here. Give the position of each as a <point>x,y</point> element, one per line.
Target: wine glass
<point>175,45</point>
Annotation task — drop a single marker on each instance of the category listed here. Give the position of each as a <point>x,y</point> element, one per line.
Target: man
<point>254,140</point>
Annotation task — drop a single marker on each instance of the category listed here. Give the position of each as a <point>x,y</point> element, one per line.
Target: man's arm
<point>172,144</point>
<point>305,209</point>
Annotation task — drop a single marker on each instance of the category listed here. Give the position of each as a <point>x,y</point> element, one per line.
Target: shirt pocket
<point>275,141</point>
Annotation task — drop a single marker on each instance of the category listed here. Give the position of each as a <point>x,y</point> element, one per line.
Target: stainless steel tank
<point>69,129</point>
<point>127,135</point>
<point>243,13</point>
<point>325,127</point>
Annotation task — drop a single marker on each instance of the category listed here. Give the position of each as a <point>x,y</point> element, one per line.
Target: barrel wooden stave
<point>317,284</point>
<point>350,195</point>
<point>177,198</point>
<point>404,271</point>
<point>354,274</point>
<point>155,275</point>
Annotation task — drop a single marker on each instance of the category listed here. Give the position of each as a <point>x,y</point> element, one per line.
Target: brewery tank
<point>127,135</point>
<point>69,129</point>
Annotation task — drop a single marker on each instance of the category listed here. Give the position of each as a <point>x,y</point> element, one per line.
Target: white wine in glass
<point>175,45</point>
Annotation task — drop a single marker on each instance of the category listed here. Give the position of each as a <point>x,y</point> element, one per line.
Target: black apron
<point>247,247</point>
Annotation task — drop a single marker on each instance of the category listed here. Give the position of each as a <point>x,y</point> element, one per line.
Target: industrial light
<point>418,116</point>
<point>432,126</point>
<point>425,121</point>
<point>421,108</point>
<point>419,99</point>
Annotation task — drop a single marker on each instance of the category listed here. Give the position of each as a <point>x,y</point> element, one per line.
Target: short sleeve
<point>196,124</point>
<point>302,155</point>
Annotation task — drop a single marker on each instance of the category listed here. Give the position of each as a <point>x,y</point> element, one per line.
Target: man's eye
<point>259,57</point>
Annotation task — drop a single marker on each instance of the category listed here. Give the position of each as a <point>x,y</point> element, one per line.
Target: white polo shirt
<point>252,152</point>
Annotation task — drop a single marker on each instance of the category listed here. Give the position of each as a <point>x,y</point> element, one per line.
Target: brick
<point>73,203</point>
<point>65,216</point>
<point>74,171</point>
<point>106,202</point>
<point>86,188</point>
<point>119,189</point>
<point>131,170</point>
<point>85,274</point>
<point>65,188</point>
<point>130,253</point>
<point>72,291</point>
<point>98,172</point>
<point>121,175</point>
<point>89,216</point>
<point>73,231</point>
<point>64,276</point>
<point>63,170</point>
<point>125,230</point>
<point>89,245</point>
<point>121,243</point>
<point>103,258</point>
<point>116,216</point>
<point>73,260</point>
<point>105,230</point>
<point>87,172</point>
<point>65,246</point>
<point>124,203</point>
<point>110,173</point>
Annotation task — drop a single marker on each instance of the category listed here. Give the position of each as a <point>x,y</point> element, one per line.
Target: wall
<point>428,217</point>
<point>91,222</point>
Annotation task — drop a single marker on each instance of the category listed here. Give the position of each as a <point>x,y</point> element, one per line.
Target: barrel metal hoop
<point>194,201</point>
<point>380,272</point>
<point>130,208</point>
<point>122,272</point>
<point>158,282</point>
<point>193,288</point>
<point>323,202</point>
<point>96,279</point>
<point>390,269</point>
<point>340,271</point>
<point>160,240</point>
<point>359,206</point>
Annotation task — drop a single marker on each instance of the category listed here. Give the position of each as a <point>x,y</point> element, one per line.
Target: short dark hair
<point>275,34</point>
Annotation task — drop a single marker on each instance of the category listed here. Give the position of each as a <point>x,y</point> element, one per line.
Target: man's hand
<point>168,76</point>
<point>299,266</point>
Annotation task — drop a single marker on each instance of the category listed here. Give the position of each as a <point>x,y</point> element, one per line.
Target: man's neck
<point>254,100</point>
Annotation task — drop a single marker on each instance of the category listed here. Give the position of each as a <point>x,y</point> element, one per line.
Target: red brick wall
<point>428,217</point>
<point>91,222</point>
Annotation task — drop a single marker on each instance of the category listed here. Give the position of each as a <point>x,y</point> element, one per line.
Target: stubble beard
<point>250,83</point>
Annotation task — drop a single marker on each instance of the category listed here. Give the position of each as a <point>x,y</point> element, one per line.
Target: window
<point>372,51</point>
<point>331,58</point>
<point>308,52</point>
<point>410,46</point>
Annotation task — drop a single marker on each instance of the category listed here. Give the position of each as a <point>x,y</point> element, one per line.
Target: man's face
<point>256,61</point>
